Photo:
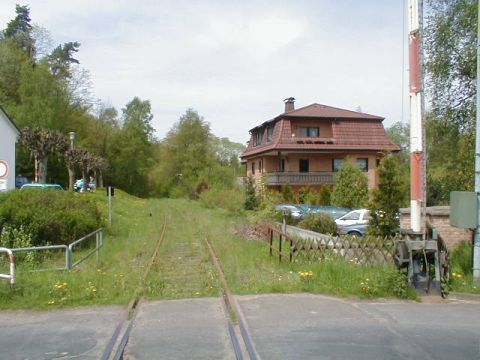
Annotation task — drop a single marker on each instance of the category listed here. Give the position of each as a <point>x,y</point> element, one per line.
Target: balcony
<point>300,178</point>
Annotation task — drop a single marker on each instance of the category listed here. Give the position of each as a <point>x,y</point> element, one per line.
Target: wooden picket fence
<point>311,247</point>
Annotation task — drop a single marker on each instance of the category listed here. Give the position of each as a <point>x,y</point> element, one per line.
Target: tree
<point>450,47</point>
<point>387,198</point>
<point>251,199</point>
<point>187,158</point>
<point>42,143</point>
<point>131,150</point>
<point>62,58</point>
<point>19,30</point>
<point>351,187</point>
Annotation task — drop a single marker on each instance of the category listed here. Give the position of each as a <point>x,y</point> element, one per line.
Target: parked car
<point>354,217</point>
<point>353,230</point>
<point>42,186</point>
<point>335,211</point>
<point>295,211</point>
<point>20,181</point>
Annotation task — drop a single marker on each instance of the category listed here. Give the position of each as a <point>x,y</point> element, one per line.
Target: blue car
<point>335,211</point>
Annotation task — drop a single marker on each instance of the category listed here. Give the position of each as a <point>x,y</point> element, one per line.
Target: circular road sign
<point>3,169</point>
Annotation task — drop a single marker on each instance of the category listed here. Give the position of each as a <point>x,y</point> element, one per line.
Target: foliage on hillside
<point>46,88</point>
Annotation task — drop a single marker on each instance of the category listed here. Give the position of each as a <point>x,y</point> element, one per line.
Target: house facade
<point>8,137</point>
<point>307,146</point>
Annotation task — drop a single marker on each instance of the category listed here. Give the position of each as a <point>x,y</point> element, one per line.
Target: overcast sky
<point>234,62</point>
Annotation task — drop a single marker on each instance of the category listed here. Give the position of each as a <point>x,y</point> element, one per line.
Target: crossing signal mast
<point>420,251</point>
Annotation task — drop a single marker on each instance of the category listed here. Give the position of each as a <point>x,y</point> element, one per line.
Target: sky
<point>234,62</point>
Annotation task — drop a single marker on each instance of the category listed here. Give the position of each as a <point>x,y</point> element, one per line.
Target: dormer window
<point>269,133</point>
<point>257,138</point>
<point>306,131</point>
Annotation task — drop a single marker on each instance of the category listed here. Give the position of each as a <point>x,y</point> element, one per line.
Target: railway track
<point>238,332</point>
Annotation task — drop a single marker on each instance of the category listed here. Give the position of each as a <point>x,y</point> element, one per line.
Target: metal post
<point>110,205</point>
<point>416,121</point>
<point>476,242</point>
<point>97,246</point>
<point>69,256</point>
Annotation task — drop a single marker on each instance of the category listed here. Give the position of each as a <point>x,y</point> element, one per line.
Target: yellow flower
<point>51,302</point>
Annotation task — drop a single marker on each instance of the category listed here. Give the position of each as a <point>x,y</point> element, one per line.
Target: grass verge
<point>183,268</point>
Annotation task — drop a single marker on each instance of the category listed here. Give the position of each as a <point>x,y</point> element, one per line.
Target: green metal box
<point>463,209</point>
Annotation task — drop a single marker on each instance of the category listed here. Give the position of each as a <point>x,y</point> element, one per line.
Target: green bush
<point>49,216</point>
<point>232,200</point>
<point>322,223</point>
<point>251,198</point>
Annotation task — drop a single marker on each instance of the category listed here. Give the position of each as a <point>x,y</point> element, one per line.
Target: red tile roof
<point>350,131</point>
<point>324,111</point>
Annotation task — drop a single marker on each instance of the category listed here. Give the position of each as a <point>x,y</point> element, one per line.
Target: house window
<point>362,163</point>
<point>281,165</point>
<point>257,138</point>
<point>260,166</point>
<point>253,168</point>
<point>304,165</point>
<point>309,131</point>
<point>337,164</point>
<point>269,133</point>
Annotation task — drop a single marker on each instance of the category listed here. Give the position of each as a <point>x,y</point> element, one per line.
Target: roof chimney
<point>289,104</point>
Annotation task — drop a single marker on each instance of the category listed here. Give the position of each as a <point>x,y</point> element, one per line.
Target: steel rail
<point>237,347</point>
<point>131,311</point>
<point>232,305</point>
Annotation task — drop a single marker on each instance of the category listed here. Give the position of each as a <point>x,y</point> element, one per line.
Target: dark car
<point>20,181</point>
<point>335,211</point>
<point>352,230</point>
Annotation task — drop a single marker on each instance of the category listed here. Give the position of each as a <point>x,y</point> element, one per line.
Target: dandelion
<point>51,302</point>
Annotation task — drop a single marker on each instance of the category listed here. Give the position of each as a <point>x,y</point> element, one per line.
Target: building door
<point>304,165</point>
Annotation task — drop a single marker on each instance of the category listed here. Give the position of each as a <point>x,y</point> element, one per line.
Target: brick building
<point>307,146</point>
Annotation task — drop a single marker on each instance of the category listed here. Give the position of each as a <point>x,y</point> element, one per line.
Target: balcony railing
<point>300,178</point>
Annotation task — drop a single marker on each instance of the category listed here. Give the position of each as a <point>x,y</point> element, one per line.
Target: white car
<point>354,217</point>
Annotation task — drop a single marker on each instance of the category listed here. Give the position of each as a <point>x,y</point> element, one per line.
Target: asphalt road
<point>81,333</point>
<point>295,326</point>
<point>303,326</point>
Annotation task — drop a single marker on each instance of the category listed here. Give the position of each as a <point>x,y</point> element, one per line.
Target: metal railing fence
<point>11,260</point>
<point>69,250</point>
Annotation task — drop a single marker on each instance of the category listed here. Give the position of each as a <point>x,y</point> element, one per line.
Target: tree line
<point>47,93</point>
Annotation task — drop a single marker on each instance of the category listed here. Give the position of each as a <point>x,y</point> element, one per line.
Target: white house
<point>9,133</point>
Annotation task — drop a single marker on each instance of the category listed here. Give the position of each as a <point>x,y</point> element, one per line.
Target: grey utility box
<point>463,209</point>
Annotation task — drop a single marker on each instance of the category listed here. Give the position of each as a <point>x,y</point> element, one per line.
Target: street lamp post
<point>71,170</point>
<point>72,139</point>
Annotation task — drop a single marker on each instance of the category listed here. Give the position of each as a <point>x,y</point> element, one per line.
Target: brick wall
<point>439,217</point>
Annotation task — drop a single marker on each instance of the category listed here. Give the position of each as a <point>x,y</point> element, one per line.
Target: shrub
<point>324,197</point>
<point>322,223</point>
<point>288,194</point>
<point>232,200</point>
<point>351,187</point>
<point>11,237</point>
<point>308,196</point>
<point>386,199</point>
<point>49,216</point>
<point>251,199</point>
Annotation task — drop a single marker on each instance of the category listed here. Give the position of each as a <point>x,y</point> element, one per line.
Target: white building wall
<point>8,136</point>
